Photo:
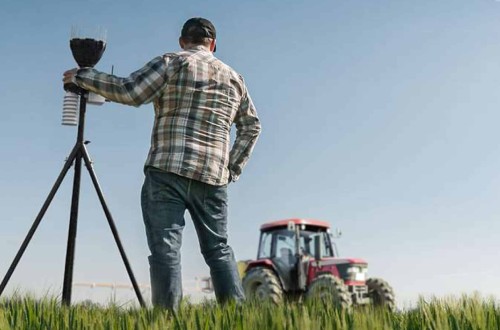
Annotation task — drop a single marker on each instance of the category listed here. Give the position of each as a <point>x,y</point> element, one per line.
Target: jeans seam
<point>188,193</point>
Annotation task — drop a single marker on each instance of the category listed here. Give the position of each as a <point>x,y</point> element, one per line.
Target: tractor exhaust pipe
<point>317,247</point>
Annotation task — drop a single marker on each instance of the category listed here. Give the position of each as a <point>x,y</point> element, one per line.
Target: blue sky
<point>379,117</point>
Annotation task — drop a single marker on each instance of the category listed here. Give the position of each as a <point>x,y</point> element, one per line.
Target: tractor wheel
<point>263,285</point>
<point>381,293</point>
<point>328,289</point>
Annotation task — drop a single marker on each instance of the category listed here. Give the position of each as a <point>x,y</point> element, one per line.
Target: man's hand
<point>69,76</point>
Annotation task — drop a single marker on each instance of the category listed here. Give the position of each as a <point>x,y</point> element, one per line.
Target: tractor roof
<point>284,223</point>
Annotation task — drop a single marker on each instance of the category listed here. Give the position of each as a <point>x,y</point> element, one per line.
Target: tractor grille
<point>359,294</point>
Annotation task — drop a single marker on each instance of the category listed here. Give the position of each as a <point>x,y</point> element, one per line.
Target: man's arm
<point>142,86</point>
<point>247,131</point>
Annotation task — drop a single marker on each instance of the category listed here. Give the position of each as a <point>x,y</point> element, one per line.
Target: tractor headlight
<point>356,273</point>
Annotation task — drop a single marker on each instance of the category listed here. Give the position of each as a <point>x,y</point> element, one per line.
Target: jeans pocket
<point>215,201</point>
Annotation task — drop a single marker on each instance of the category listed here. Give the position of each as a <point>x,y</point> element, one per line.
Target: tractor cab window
<point>285,246</point>
<point>265,245</point>
<point>307,243</point>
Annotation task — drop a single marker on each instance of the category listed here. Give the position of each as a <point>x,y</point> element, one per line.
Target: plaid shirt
<point>196,99</point>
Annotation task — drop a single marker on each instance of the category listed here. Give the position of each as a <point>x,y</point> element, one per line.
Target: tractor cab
<point>290,244</point>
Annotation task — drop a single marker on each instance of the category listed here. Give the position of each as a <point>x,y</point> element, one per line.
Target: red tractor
<point>297,258</point>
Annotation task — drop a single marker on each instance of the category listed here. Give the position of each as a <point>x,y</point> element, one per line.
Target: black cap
<point>197,28</point>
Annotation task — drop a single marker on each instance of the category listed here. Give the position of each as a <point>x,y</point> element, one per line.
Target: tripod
<point>78,154</point>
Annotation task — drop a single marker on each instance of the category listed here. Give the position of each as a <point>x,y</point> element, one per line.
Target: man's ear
<point>181,42</point>
<point>212,45</point>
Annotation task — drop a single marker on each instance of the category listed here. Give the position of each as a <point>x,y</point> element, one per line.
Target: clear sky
<point>380,117</point>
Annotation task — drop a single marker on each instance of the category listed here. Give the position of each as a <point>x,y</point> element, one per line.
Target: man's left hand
<point>69,76</point>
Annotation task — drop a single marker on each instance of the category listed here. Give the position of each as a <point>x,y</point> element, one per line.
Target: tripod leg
<point>111,223</point>
<point>39,217</point>
<point>73,220</point>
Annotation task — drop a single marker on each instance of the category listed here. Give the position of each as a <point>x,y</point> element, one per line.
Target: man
<point>196,100</point>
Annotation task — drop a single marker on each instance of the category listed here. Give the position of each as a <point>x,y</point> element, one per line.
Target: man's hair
<point>198,31</point>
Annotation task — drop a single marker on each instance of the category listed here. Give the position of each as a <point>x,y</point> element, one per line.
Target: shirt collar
<point>199,47</point>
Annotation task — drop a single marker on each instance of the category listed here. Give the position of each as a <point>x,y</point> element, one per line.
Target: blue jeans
<point>165,198</point>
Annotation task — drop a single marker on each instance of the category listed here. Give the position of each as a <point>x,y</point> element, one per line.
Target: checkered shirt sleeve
<point>140,87</point>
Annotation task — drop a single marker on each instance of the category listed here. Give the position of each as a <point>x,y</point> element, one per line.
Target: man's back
<point>197,98</point>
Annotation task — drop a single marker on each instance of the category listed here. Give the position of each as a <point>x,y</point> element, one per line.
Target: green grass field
<point>467,312</point>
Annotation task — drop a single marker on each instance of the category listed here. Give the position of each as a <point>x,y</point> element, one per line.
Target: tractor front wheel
<point>381,293</point>
<point>263,285</point>
<point>329,289</point>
